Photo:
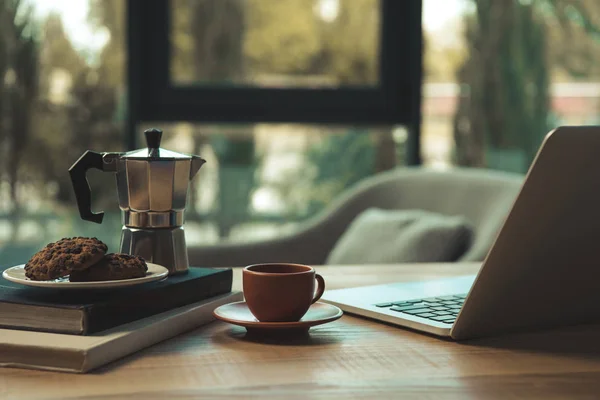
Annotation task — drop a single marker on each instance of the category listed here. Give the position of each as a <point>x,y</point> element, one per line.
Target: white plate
<point>17,274</point>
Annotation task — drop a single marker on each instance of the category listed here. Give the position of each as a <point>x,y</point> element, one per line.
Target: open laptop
<point>542,271</point>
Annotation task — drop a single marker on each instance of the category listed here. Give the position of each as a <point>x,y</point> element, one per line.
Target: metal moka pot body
<point>152,189</point>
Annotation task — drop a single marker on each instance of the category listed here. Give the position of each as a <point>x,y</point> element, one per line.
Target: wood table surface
<point>349,358</point>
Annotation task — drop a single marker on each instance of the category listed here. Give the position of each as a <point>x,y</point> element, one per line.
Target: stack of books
<point>78,331</point>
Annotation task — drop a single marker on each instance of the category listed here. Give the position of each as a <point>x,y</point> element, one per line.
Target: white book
<point>76,353</point>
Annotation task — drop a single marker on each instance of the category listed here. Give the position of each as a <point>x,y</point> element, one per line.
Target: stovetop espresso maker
<point>152,187</point>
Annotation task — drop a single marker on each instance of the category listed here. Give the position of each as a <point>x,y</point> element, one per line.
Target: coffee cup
<point>281,292</point>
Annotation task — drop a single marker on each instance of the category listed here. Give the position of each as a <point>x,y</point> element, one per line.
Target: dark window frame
<point>395,100</point>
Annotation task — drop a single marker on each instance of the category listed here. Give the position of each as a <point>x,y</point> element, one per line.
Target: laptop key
<point>426,315</point>
<point>440,308</point>
<point>442,318</point>
<point>404,308</point>
<point>446,297</point>
<point>450,302</point>
<point>416,311</point>
<point>442,313</point>
<point>402,303</point>
<point>384,305</point>
<point>405,304</point>
<point>436,304</point>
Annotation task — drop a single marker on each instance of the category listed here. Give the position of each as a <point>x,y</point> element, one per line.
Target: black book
<point>83,312</point>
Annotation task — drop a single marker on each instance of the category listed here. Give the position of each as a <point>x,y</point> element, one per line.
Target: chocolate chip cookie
<point>114,266</point>
<point>61,258</point>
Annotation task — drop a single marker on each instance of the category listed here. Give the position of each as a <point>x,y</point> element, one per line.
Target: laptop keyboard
<point>441,309</point>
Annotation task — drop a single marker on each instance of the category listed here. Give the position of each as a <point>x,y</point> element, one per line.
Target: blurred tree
<point>350,49</point>
<point>109,16</point>
<point>182,59</point>
<point>218,28</point>
<point>445,44</point>
<point>506,107</point>
<point>54,104</point>
<point>572,27</point>
<point>59,63</point>
<point>57,52</point>
<point>348,52</point>
<point>282,37</point>
<point>19,76</point>
<point>339,162</point>
<point>77,106</point>
<point>505,103</point>
<point>343,47</point>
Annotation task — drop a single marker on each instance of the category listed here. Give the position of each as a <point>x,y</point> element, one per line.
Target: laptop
<point>542,271</point>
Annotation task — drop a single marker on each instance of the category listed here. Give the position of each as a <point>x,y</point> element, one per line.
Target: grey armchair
<point>484,197</point>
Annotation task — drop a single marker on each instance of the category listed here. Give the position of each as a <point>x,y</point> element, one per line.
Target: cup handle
<point>320,287</point>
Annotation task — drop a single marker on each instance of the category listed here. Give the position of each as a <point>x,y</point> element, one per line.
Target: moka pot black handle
<point>81,186</point>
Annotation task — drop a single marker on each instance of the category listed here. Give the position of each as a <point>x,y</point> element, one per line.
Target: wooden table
<point>350,358</point>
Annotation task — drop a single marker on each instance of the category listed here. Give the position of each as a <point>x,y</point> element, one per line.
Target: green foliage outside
<point>504,111</point>
<point>339,162</point>
<point>262,41</point>
<point>507,105</point>
<point>19,69</point>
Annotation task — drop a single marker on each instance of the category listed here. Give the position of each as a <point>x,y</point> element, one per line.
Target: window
<point>291,102</point>
<point>499,75</point>
<point>224,59</point>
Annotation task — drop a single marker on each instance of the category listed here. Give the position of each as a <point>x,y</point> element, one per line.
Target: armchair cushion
<point>378,236</point>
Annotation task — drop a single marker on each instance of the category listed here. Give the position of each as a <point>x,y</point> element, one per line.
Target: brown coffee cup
<point>280,292</point>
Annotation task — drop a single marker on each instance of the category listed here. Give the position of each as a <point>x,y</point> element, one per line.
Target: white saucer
<point>17,274</point>
<point>239,314</point>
